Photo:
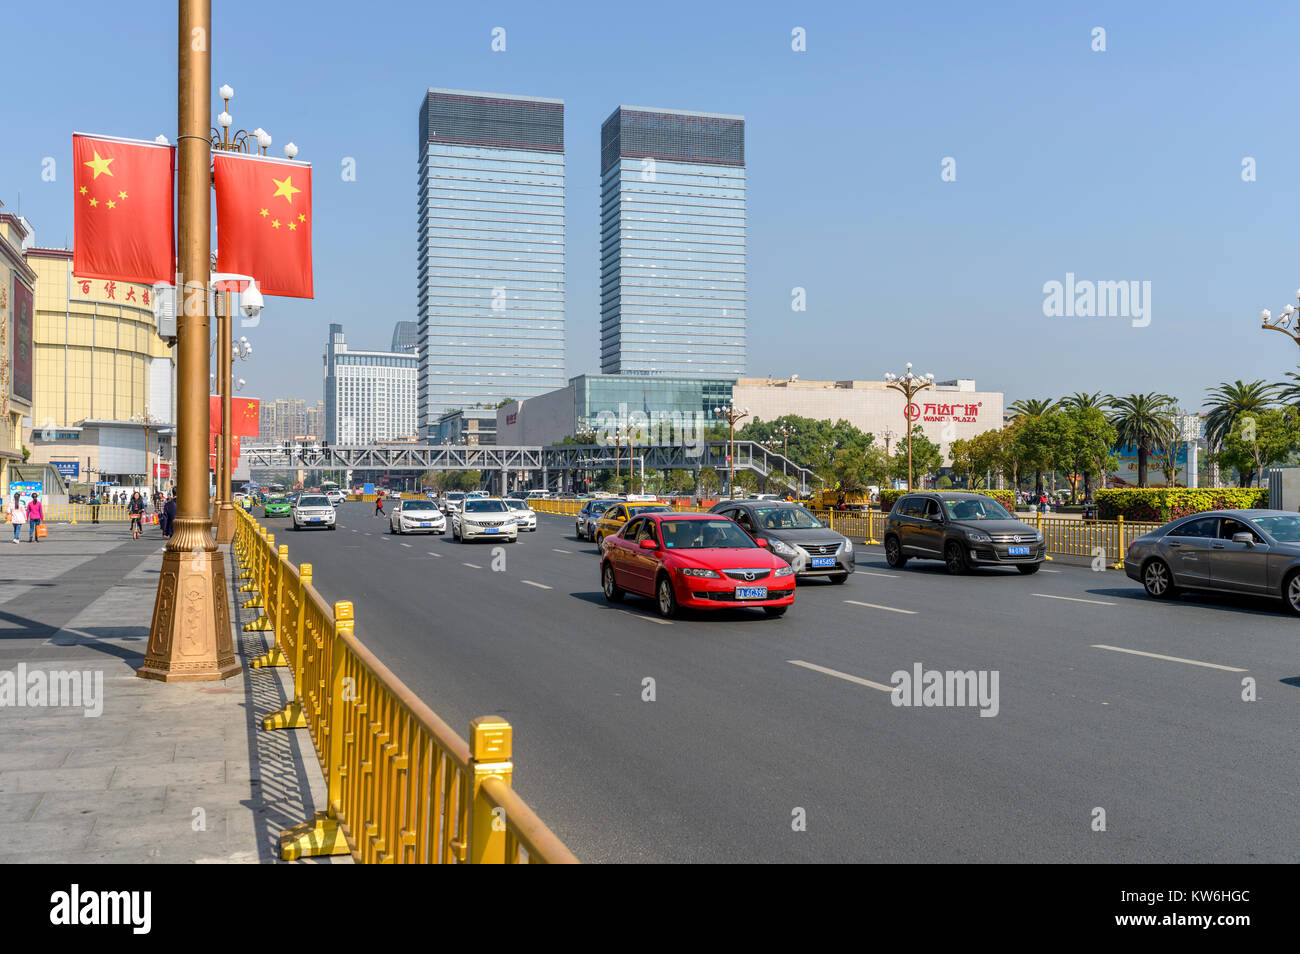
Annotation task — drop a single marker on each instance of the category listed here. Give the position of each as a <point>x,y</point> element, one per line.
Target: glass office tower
<point>672,250</point>
<point>490,250</point>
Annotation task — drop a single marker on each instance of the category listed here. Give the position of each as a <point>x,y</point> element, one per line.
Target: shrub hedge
<point>1162,504</point>
<point>1005,497</point>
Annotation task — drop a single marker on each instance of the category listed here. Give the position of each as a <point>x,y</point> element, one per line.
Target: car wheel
<point>954,557</point>
<point>838,577</point>
<point>665,598</point>
<point>391,531</point>
<point>334,526</point>
<point>774,612</point>
<point>1291,590</point>
<point>613,592</point>
<point>1159,582</point>
<point>894,553</point>
<point>1029,569</point>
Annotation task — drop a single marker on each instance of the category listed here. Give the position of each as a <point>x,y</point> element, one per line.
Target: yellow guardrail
<point>85,513</point>
<point>402,786</point>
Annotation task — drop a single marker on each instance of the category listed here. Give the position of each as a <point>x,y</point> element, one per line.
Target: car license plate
<point>822,561</point>
<point>751,592</point>
<point>492,530</point>
<point>315,519</point>
<point>426,523</point>
<point>1018,551</point>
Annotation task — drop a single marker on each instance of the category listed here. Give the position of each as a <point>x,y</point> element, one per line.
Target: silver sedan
<point>417,516</point>
<point>1251,552</point>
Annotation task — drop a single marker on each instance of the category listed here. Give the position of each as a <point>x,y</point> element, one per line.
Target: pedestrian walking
<point>169,514</point>
<point>94,508</point>
<point>18,515</point>
<point>379,504</point>
<point>136,510</point>
<point>35,514</point>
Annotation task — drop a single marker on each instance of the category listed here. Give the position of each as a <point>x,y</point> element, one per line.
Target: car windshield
<point>478,505</point>
<point>455,496</point>
<point>987,509</point>
<point>786,518</point>
<point>599,506</point>
<point>517,505</point>
<point>313,500</point>
<point>272,500</point>
<point>704,535</point>
<point>1284,528</point>
<point>418,505</point>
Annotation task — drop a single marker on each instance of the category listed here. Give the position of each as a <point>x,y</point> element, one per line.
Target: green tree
<point>1042,443</point>
<point>926,457</point>
<point>974,458</point>
<point>1033,407</point>
<point>680,481</point>
<point>1143,421</point>
<point>1258,440</point>
<point>1082,401</point>
<point>1228,402</point>
<point>1092,436</point>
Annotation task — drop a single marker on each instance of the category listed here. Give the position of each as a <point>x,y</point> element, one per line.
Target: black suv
<point>962,529</point>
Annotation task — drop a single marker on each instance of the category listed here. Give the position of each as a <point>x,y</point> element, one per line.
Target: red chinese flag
<point>264,222</point>
<point>243,414</point>
<point>122,192</point>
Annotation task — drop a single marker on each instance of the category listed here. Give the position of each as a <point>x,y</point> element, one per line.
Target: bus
<point>327,485</point>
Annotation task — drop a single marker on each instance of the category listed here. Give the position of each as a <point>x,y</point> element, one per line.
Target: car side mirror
<point>649,545</point>
<point>1244,537</point>
<point>761,541</point>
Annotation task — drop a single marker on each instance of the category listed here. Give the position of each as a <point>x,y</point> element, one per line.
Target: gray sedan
<point>795,535</point>
<point>1252,552</point>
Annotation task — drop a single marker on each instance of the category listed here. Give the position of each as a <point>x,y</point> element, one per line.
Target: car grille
<point>486,523</point>
<point>729,596</point>
<point>1014,538</point>
<point>822,549</point>
<point>748,575</point>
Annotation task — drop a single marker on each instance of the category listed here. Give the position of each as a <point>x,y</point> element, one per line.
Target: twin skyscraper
<point>491,265</point>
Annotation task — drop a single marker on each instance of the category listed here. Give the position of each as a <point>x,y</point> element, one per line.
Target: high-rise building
<point>672,243</point>
<point>291,419</point>
<point>490,250</point>
<point>406,337</point>
<point>369,395</point>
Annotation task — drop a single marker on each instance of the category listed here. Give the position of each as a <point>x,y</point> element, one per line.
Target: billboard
<point>22,355</point>
<point>1126,473</point>
<point>67,468</point>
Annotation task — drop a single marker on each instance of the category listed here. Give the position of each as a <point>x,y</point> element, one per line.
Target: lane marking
<point>558,550</point>
<point>540,586</point>
<point>840,675</point>
<point>883,576</point>
<point>474,565</point>
<point>648,619</point>
<point>1073,599</point>
<point>1190,662</point>
<point>406,545</point>
<point>1046,570</point>
<point>438,555</point>
<point>888,609</point>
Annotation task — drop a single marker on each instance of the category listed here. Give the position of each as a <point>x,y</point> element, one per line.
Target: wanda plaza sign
<point>958,413</point>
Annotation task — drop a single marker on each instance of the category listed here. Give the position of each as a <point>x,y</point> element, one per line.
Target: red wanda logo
<point>913,412</point>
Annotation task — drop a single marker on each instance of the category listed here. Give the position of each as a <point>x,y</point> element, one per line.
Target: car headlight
<point>1038,536</point>
<point>696,571</point>
<point>784,571</point>
<point>782,548</point>
<point>848,545</point>
<point>974,536</point>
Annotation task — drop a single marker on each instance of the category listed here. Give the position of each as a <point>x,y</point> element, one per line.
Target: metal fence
<point>85,513</point>
<point>402,787</point>
<point>1063,536</point>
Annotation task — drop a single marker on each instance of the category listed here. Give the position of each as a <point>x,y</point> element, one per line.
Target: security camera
<point>250,301</point>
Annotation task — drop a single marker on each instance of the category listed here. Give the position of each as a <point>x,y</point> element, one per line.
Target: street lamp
<point>1288,322</point>
<point>229,351</point>
<point>148,421</point>
<point>909,385</point>
<point>732,414</point>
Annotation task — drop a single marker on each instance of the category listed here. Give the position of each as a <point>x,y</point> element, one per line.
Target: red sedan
<point>696,560</point>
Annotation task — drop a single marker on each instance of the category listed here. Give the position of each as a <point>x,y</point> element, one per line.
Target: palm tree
<point>1229,402</point>
<point>1145,421</point>
<point>1031,408</point>
<point>1081,401</point>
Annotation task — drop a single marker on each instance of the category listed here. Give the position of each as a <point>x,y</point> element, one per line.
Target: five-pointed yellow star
<point>275,223</point>
<point>83,190</point>
<point>285,187</point>
<point>94,202</point>
<point>99,164</point>
<point>263,213</point>
<point>112,204</point>
<point>293,226</point>
<point>121,195</point>
<point>301,217</point>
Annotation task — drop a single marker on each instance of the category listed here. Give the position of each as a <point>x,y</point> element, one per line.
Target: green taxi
<point>277,506</point>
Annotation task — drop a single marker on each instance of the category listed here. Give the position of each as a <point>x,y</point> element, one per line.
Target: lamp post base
<point>224,525</point>
<point>189,638</point>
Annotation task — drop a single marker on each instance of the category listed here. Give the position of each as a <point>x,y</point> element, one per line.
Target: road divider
<point>402,787</point>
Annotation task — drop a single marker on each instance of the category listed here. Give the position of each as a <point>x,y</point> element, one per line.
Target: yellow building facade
<point>17,290</point>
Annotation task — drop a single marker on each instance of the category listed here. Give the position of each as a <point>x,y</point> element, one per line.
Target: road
<point>757,723</point>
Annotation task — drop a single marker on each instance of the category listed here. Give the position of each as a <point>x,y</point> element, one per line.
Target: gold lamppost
<point>189,637</point>
<point>149,422</point>
<point>909,385</point>
<point>732,415</point>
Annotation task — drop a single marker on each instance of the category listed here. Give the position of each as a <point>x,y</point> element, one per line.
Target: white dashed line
<point>406,545</point>
<point>883,576</point>
<point>540,586</point>
<point>1190,662</point>
<point>558,550</point>
<point>648,619</point>
<point>472,566</point>
<point>1046,570</point>
<point>840,675</point>
<point>1073,599</point>
<point>888,609</point>
<point>438,555</point>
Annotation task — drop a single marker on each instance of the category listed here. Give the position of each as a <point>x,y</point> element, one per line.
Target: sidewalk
<point>167,772</point>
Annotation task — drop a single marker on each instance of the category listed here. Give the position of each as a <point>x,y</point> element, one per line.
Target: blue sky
<point>1116,165</point>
